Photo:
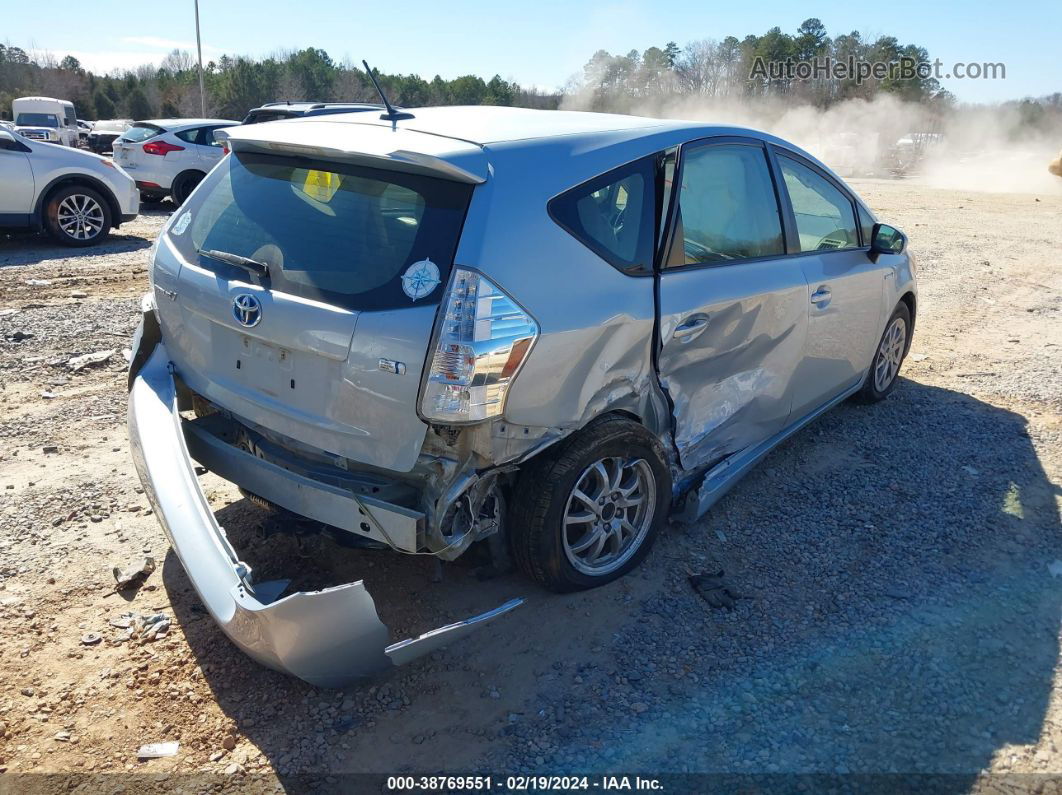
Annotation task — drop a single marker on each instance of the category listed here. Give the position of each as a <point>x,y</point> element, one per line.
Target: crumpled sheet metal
<point>330,637</point>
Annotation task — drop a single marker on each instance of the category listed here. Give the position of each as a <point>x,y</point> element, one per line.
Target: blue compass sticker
<point>420,279</point>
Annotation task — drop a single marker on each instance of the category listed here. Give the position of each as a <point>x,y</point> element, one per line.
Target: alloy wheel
<point>80,217</point>
<point>890,354</point>
<point>608,514</point>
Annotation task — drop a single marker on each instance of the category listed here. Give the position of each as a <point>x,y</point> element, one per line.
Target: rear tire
<point>888,357</point>
<point>77,215</point>
<point>587,512</point>
<point>183,186</point>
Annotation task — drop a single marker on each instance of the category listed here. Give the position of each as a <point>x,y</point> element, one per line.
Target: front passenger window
<point>727,208</point>
<point>824,216</point>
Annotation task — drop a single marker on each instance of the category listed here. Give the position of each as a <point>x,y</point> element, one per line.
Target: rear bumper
<point>329,637</point>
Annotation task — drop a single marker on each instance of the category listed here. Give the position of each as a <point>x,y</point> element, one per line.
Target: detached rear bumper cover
<point>328,638</point>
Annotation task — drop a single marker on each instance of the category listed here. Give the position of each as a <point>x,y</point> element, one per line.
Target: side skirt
<point>722,477</point>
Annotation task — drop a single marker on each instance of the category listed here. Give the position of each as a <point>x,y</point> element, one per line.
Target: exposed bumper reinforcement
<point>329,637</point>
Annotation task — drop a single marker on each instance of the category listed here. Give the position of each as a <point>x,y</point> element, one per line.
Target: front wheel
<point>889,355</point>
<point>77,216</point>
<point>588,512</point>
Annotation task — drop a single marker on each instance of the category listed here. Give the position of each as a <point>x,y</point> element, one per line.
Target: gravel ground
<point>898,608</point>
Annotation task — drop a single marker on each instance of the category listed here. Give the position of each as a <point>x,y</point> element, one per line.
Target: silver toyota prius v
<point>549,331</point>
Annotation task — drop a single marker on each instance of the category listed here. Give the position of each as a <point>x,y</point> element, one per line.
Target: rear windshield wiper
<point>248,264</point>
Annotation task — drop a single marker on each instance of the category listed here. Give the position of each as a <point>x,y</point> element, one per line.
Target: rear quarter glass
<point>337,233</point>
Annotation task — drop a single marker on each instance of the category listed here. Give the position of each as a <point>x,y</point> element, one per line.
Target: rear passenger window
<point>614,215</point>
<point>188,136</point>
<point>824,216</point>
<point>206,137</point>
<point>727,208</point>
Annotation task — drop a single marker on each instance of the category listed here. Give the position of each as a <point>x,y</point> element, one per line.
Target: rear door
<point>208,149</point>
<point>187,157</point>
<point>328,348</point>
<point>845,287</point>
<point>733,307</point>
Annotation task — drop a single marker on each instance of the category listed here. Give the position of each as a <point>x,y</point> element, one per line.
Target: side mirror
<point>885,239</point>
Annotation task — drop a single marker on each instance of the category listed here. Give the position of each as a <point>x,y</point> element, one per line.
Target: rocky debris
<point>143,628</point>
<point>157,750</point>
<point>77,363</point>
<point>133,574</point>
<point>714,589</point>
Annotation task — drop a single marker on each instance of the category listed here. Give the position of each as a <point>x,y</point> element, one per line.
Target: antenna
<point>392,115</point>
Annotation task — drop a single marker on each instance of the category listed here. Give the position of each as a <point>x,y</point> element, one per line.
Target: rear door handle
<point>690,328</point>
<point>821,296</point>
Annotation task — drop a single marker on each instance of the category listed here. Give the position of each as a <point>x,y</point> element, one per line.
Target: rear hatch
<point>124,146</point>
<point>324,339</point>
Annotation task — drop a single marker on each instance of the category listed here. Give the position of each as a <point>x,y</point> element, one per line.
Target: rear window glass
<point>37,120</point>
<point>140,132</point>
<point>337,233</point>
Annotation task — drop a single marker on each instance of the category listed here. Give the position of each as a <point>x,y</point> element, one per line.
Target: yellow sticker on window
<point>321,185</point>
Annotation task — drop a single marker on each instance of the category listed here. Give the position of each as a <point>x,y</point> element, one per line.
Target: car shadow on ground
<point>28,248</point>
<point>900,618</point>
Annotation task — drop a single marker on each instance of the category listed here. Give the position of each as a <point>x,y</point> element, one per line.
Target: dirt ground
<point>898,563</point>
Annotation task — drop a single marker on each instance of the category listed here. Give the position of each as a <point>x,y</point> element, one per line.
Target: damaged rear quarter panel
<point>594,352</point>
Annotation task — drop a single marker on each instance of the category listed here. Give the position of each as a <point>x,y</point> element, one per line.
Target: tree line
<point>235,84</point>
<point>637,81</point>
<point>738,68</point>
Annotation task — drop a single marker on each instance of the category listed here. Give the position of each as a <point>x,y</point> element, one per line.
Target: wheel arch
<point>911,301</point>
<point>188,172</point>
<point>87,180</point>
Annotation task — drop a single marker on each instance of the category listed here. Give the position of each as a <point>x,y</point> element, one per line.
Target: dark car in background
<point>104,133</point>
<point>274,111</point>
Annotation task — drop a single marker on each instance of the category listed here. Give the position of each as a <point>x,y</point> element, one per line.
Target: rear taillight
<point>483,338</point>
<point>161,148</point>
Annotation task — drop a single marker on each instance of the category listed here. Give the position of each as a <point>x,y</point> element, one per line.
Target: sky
<point>540,43</point>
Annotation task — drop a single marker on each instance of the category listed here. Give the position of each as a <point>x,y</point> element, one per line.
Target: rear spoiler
<point>376,146</point>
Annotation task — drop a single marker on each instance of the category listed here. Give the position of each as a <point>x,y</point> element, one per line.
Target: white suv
<point>76,196</point>
<point>168,157</point>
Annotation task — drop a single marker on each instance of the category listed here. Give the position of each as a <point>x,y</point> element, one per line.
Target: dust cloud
<point>993,148</point>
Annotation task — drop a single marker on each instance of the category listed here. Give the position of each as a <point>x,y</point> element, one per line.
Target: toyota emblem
<point>247,310</point>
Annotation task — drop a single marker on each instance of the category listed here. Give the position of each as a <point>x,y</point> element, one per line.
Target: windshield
<point>37,120</point>
<point>141,132</point>
<point>337,233</point>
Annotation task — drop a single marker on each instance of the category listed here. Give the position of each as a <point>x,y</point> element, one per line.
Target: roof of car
<point>168,123</point>
<point>305,105</point>
<point>486,124</point>
<point>455,141</point>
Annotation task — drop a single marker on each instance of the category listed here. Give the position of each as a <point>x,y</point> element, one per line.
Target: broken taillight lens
<point>483,338</point>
